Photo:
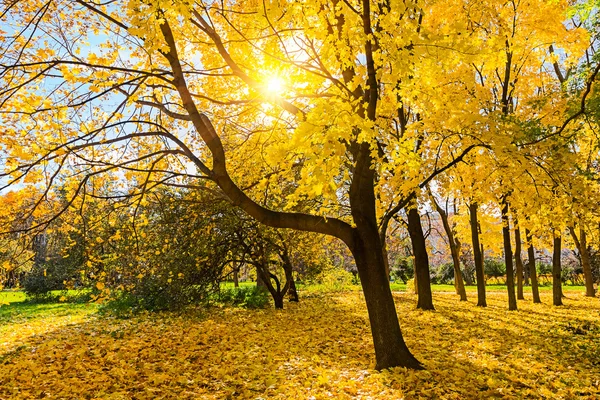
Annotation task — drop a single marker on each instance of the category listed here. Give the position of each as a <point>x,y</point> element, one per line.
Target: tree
<point>334,104</point>
<point>454,245</point>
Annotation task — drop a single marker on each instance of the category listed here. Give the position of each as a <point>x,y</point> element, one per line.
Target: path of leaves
<point>318,349</point>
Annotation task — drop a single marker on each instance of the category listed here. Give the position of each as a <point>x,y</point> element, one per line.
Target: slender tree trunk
<point>581,244</point>
<point>415,230</point>
<point>532,271</point>
<point>508,258</point>
<point>459,285</point>
<point>556,272</point>
<point>236,280</point>
<point>458,278</point>
<point>289,276</point>
<point>478,256</point>
<point>518,262</point>
<point>293,292</point>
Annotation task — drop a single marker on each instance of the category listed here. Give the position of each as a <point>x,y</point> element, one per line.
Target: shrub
<point>335,279</point>
<point>248,297</point>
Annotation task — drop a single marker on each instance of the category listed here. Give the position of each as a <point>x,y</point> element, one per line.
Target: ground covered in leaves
<point>318,349</point>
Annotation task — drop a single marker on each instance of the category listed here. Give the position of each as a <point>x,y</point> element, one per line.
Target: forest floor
<point>320,348</point>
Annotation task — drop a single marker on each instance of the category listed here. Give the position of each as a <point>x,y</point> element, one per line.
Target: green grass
<point>11,296</point>
<point>230,285</point>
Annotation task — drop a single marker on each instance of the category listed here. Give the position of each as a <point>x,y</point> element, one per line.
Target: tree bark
<point>532,271</point>
<point>289,274</point>
<point>454,244</point>
<point>386,260</point>
<point>417,238</point>
<point>508,258</point>
<point>478,256</point>
<point>390,348</point>
<point>581,244</point>
<point>556,272</point>
<point>236,280</point>
<point>518,262</point>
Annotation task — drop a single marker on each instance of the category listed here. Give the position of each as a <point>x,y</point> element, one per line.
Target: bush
<point>335,279</point>
<point>403,269</point>
<point>494,268</point>
<point>157,293</point>
<point>443,274</point>
<point>38,286</point>
<point>247,297</point>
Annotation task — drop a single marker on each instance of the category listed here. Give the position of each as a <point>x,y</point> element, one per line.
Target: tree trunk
<point>289,276</point>
<point>459,285</point>
<point>478,256</point>
<point>386,260</point>
<point>293,292</point>
<point>415,230</point>
<point>518,262</point>
<point>532,271</point>
<point>510,274</point>
<point>556,272</point>
<point>236,280</point>
<point>390,348</point>
<point>458,278</point>
<point>415,283</point>
<point>581,244</point>
<point>259,281</point>
<point>278,300</point>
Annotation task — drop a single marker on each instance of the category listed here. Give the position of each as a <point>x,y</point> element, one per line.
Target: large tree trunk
<point>454,251</point>
<point>518,262</point>
<point>557,272</point>
<point>390,348</point>
<point>581,244</point>
<point>478,256</point>
<point>532,271</point>
<point>508,258</point>
<point>415,230</point>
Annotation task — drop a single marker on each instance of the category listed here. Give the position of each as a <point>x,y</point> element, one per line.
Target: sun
<point>275,85</point>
